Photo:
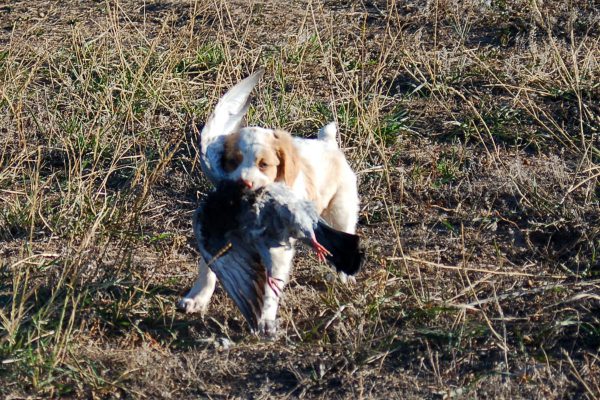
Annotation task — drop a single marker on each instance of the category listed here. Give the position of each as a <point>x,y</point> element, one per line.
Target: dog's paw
<point>347,279</point>
<point>190,305</point>
<point>342,277</point>
<point>267,328</point>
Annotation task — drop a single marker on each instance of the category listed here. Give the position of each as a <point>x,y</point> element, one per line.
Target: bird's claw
<point>274,284</point>
<point>321,251</point>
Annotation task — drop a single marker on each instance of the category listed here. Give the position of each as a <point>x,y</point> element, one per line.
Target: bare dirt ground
<point>473,128</point>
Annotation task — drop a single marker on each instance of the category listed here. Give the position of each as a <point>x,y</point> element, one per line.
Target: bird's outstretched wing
<point>237,265</point>
<point>243,277</point>
<point>225,119</point>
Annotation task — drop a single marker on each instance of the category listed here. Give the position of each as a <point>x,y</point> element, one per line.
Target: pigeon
<point>235,227</point>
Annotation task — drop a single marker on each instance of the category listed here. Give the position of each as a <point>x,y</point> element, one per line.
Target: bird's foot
<point>274,284</point>
<point>321,251</point>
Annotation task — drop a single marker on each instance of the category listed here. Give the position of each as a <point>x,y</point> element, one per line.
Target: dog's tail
<point>346,254</point>
<point>328,134</point>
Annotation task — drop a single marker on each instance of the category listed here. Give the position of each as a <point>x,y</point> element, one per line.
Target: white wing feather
<point>225,119</point>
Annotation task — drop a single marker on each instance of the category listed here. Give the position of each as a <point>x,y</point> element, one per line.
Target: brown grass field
<point>474,130</point>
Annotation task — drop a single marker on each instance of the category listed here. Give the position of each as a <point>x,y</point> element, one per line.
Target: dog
<point>314,169</point>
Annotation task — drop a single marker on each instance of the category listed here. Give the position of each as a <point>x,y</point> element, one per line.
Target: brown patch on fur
<point>232,156</point>
<point>291,164</point>
<point>311,191</point>
<point>289,160</point>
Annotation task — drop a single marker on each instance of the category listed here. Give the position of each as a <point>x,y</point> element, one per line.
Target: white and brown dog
<point>314,169</point>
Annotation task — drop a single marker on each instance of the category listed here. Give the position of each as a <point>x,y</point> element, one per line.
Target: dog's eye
<point>262,165</point>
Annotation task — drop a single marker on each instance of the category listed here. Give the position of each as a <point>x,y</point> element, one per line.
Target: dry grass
<point>474,131</point>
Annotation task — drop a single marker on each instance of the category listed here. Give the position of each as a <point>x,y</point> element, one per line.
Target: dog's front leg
<point>199,295</point>
<point>281,258</point>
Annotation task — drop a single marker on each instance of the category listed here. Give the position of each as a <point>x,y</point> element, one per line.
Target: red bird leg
<point>321,251</point>
<point>274,284</point>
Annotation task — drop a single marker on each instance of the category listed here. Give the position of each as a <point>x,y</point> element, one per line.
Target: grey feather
<point>277,216</point>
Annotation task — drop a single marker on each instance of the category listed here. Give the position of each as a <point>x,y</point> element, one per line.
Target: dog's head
<point>257,157</point>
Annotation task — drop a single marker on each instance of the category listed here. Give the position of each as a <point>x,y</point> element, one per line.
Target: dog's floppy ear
<point>289,161</point>
<point>232,156</point>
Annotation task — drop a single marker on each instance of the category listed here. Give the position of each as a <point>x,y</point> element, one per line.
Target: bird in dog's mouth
<point>236,228</point>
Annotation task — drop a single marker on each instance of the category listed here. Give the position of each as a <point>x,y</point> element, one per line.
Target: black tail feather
<point>346,253</point>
